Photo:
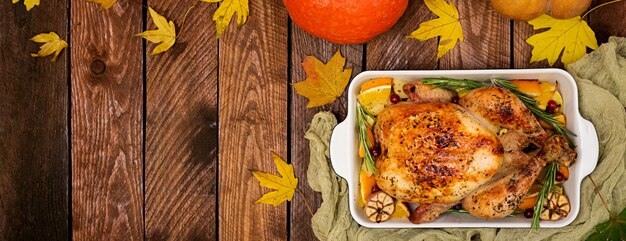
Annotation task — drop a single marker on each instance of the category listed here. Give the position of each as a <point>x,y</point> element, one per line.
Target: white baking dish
<point>346,162</point>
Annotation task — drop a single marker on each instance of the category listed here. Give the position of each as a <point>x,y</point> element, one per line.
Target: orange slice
<point>375,100</point>
<point>565,171</point>
<point>528,202</point>
<point>528,87</point>
<point>547,91</point>
<point>367,181</point>
<point>375,83</point>
<point>401,211</point>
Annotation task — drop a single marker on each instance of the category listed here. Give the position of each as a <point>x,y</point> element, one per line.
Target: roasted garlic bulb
<point>555,207</point>
<point>379,207</point>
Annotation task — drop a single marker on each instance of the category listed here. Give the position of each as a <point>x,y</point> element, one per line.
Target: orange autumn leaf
<point>324,82</point>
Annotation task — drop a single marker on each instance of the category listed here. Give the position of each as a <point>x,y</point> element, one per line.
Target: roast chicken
<point>484,152</point>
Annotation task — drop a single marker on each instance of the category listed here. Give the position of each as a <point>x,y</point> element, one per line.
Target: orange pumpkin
<point>345,21</point>
<point>526,10</point>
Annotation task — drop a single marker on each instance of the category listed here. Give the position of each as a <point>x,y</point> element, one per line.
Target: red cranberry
<point>375,151</point>
<point>375,188</point>
<point>455,99</point>
<point>559,177</point>
<point>394,98</point>
<point>528,213</point>
<point>551,107</point>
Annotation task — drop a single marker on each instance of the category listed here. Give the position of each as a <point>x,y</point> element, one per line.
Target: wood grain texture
<point>487,41</point>
<point>253,121</point>
<point>522,51</point>
<point>181,128</point>
<point>107,106</point>
<point>608,21</point>
<point>393,51</point>
<point>34,166</point>
<point>302,45</point>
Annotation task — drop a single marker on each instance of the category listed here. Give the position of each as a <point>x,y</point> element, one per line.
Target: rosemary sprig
<point>365,141</point>
<point>453,84</point>
<point>546,188</point>
<point>531,104</point>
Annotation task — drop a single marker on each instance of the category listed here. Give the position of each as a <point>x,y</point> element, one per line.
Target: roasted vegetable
<point>379,207</point>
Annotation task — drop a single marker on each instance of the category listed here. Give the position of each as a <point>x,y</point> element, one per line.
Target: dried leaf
<point>284,186</point>
<point>225,13</point>
<point>447,26</point>
<point>324,82</point>
<point>613,229</point>
<point>106,4</point>
<point>52,44</point>
<point>570,36</point>
<point>164,35</point>
<point>28,3</point>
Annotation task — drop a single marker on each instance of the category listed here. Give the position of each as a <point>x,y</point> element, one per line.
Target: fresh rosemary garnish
<point>365,141</point>
<point>453,84</point>
<point>531,104</point>
<point>548,180</point>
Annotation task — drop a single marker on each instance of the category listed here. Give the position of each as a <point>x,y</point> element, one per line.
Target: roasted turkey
<point>484,152</point>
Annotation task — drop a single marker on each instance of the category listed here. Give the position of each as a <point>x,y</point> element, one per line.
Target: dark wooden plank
<point>608,21</point>
<point>522,51</point>
<point>302,45</point>
<point>393,51</point>
<point>487,41</point>
<point>253,121</point>
<point>34,166</point>
<point>181,128</point>
<point>107,106</point>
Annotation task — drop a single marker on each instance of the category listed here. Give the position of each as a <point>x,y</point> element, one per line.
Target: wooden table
<point>111,143</point>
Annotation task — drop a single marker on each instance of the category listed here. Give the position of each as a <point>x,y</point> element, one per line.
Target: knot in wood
<point>98,67</point>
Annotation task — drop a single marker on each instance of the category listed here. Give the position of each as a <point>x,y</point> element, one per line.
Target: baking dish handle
<point>589,140</point>
<point>339,153</point>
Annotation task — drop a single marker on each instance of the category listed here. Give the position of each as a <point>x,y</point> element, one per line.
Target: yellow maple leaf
<point>225,12</point>
<point>164,35</point>
<point>447,26</point>
<point>28,3</point>
<point>324,82</point>
<point>284,186</point>
<point>571,36</point>
<point>106,4</point>
<point>52,44</point>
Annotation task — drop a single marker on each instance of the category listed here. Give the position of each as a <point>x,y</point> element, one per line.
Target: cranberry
<point>394,98</point>
<point>455,99</point>
<point>559,177</point>
<point>375,151</point>
<point>528,213</point>
<point>375,188</point>
<point>458,207</point>
<point>551,107</point>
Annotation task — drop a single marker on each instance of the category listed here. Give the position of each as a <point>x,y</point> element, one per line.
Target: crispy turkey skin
<point>433,152</point>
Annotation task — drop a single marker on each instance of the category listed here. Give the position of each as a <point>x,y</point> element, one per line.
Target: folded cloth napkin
<point>601,79</point>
